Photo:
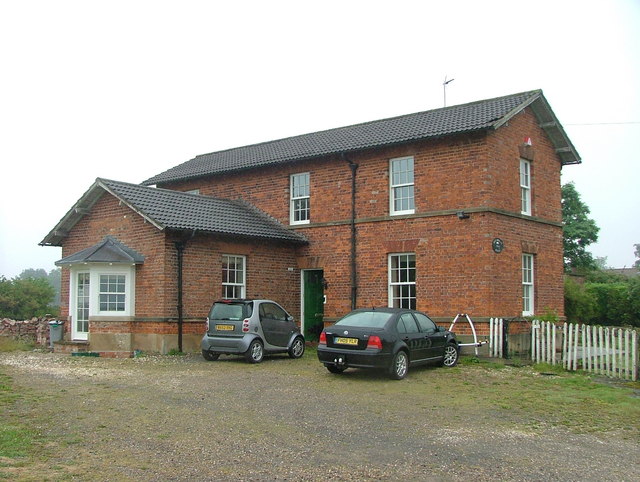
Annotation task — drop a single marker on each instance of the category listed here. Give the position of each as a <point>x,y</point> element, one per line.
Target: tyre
<point>210,356</point>
<point>296,350</point>
<point>255,353</point>
<point>450,355</point>
<point>399,366</point>
<point>333,368</point>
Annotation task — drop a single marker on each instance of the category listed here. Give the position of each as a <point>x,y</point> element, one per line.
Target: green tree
<point>23,299</point>
<point>601,262</point>
<point>54,277</point>
<point>579,230</point>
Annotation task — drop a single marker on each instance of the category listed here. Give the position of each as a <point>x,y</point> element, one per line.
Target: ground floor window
<point>402,280</point>
<point>233,276</point>
<point>527,284</point>
<point>112,292</point>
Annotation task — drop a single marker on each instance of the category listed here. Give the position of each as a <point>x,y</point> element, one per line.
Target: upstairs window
<point>525,187</point>
<point>401,186</point>
<point>300,199</point>
<point>233,276</point>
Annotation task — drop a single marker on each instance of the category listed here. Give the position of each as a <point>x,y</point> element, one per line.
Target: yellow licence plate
<point>225,327</point>
<point>345,341</point>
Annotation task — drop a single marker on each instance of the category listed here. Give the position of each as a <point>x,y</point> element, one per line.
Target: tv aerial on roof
<point>444,88</point>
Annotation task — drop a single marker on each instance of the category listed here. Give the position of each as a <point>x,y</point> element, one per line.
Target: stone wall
<point>36,329</point>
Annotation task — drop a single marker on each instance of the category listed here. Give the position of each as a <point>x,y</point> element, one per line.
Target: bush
<point>612,302</point>
<point>608,300</point>
<point>579,306</point>
<point>634,301</point>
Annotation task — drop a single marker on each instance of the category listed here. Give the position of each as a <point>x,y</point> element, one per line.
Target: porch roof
<point>109,250</point>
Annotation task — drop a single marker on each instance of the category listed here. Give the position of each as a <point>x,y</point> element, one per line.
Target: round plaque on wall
<point>498,245</point>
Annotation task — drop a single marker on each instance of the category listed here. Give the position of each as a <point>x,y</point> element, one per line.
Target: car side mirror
<point>290,318</point>
<point>441,328</point>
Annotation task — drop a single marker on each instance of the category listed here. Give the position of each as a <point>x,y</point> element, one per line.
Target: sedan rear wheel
<point>297,348</point>
<point>255,353</point>
<point>450,355</point>
<point>210,356</point>
<point>399,366</point>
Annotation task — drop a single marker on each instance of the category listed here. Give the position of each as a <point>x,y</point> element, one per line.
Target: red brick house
<point>453,210</point>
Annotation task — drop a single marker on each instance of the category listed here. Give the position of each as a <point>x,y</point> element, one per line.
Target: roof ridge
<point>358,124</point>
<point>162,189</point>
<point>482,114</point>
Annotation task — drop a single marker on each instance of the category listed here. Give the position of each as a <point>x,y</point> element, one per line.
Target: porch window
<point>112,292</point>
<point>300,198</point>
<point>233,276</point>
<point>527,284</point>
<point>402,280</point>
<point>525,187</point>
<point>401,186</point>
<point>83,297</point>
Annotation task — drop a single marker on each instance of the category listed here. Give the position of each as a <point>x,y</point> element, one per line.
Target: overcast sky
<point>127,89</point>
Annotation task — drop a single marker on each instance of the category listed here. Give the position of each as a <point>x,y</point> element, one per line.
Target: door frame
<point>302,293</point>
<point>73,304</point>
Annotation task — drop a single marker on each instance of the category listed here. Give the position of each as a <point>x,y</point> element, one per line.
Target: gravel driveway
<point>181,418</point>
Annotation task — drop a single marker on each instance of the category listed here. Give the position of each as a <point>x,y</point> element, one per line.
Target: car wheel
<point>399,365</point>
<point>255,353</point>
<point>450,355</point>
<point>210,356</point>
<point>297,348</point>
<point>333,368</point>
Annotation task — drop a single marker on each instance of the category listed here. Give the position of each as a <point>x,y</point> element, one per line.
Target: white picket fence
<point>612,352</point>
<point>496,340</point>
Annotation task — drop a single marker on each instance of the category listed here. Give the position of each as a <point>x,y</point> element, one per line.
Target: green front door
<point>313,299</point>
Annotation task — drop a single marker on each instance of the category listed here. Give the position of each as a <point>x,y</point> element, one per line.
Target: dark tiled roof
<point>109,250</point>
<point>176,210</point>
<point>486,114</point>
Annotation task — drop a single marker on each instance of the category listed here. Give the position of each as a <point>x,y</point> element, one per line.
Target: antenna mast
<point>444,88</point>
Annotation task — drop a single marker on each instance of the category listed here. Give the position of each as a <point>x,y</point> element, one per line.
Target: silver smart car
<point>251,328</point>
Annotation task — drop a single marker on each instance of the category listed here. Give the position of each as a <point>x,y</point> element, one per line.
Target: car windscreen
<point>368,319</point>
<point>230,311</point>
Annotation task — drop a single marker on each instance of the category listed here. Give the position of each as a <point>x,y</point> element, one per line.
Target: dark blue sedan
<point>391,339</point>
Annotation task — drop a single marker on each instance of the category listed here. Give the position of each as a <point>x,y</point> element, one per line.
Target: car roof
<point>242,300</point>
<point>385,309</point>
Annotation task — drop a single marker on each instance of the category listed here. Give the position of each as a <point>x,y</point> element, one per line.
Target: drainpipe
<point>354,279</point>
<point>180,250</point>
<point>180,245</point>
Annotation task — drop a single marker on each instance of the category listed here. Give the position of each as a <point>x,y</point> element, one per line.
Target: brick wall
<point>156,279</point>
<point>457,270</point>
<point>456,267</point>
